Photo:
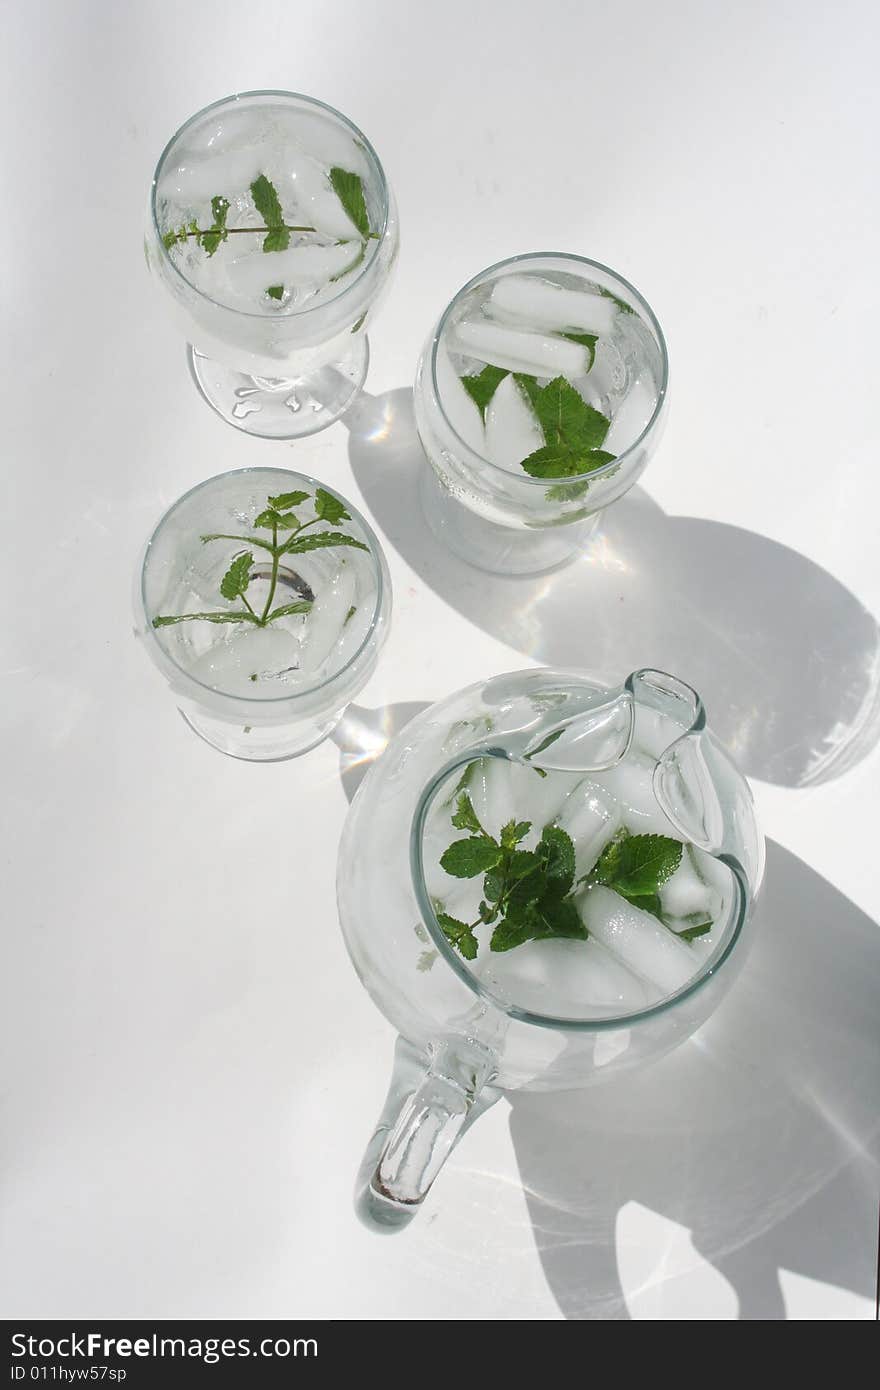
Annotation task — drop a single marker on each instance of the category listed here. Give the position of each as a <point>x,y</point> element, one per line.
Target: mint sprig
<point>287,539</point>
<point>526,893</point>
<point>573,431</point>
<point>268,205</point>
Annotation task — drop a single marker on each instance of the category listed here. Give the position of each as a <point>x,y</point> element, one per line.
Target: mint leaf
<point>359,323</point>
<point>275,291</point>
<point>691,933</point>
<point>513,832</point>
<point>565,417</point>
<point>284,521</point>
<point>459,933</point>
<point>329,508</point>
<point>267,203</point>
<point>286,609</point>
<point>468,858</point>
<point>540,921</point>
<point>350,191</point>
<point>465,817</point>
<point>237,578</point>
<point>217,232</point>
<point>242,617</point>
<point>587,340</point>
<point>635,866</point>
<point>561,461</point>
<point>285,500</point>
<point>557,852</point>
<point>621,303</point>
<point>482,387</point>
<point>298,544</point>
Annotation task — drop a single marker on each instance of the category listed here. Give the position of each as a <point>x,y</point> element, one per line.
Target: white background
<point>191,1070</point>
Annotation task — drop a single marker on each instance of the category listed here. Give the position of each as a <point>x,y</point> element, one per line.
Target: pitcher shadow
<point>759,1135</point>
<point>785,657</point>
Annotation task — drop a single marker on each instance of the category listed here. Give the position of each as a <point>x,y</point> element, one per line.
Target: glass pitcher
<point>471,1029</point>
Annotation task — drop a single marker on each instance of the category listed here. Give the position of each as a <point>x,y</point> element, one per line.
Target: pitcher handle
<point>433,1116</point>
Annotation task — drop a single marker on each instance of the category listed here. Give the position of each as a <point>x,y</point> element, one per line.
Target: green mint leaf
<point>285,500</point>
<point>691,933</point>
<point>276,240</point>
<point>270,517</point>
<point>169,239</point>
<point>350,191</point>
<point>482,387</point>
<point>329,508</point>
<point>352,265</point>
<point>298,544</point>
<point>275,291</point>
<point>225,536</point>
<point>513,832</point>
<point>567,492</point>
<point>359,323</point>
<point>646,902</point>
<point>219,209</point>
<point>621,303</point>
<point>587,340</point>
<point>493,885</point>
<point>522,864</point>
<point>555,461</point>
<point>465,817</point>
<point>459,933</point>
<point>268,205</point>
<point>557,852</point>
<point>567,422</point>
<point>540,921</point>
<point>636,865</point>
<point>468,858</point>
<point>236,617</point>
<point>286,609</point>
<point>217,232</point>
<point>237,578</point>
<point>350,614</point>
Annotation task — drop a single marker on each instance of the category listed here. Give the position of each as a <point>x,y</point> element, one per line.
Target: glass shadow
<point>786,658</point>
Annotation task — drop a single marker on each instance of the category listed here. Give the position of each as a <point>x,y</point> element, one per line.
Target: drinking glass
<point>264,600</point>
<point>550,1014</point>
<point>543,354</point>
<point>273,231</point>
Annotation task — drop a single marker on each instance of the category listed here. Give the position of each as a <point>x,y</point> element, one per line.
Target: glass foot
<point>261,744</point>
<point>500,549</point>
<point>282,408</point>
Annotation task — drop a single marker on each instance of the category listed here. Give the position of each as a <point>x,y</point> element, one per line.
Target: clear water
<point>519,322</point>
<point>222,155</point>
<point>630,959</point>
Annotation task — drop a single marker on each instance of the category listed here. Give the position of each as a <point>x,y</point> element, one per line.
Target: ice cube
<point>324,141</point>
<point>518,351</point>
<point>489,788</point>
<point>463,412</point>
<point>539,799</point>
<point>542,304</point>
<point>630,783</point>
<point>631,416</point>
<point>591,818</point>
<point>563,979</point>
<point>637,938</point>
<point>512,431</point>
<point>686,892</point>
<point>269,653</point>
<point>227,174</point>
<point>253,272</point>
<point>325,621</point>
<point>315,199</point>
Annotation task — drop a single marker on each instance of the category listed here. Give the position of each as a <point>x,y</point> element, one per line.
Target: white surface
<point>191,1070</point>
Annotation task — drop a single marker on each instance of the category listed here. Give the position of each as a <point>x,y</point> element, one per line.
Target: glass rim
<point>376,555</point>
<point>649,315</point>
<point>322,106</point>
<point>712,964</point>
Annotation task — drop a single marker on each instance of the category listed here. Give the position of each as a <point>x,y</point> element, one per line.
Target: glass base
<point>266,744</point>
<point>282,408</point>
<point>499,549</point>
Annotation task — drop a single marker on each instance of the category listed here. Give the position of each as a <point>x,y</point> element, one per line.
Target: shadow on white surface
<point>759,1137</point>
<point>786,658</point>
